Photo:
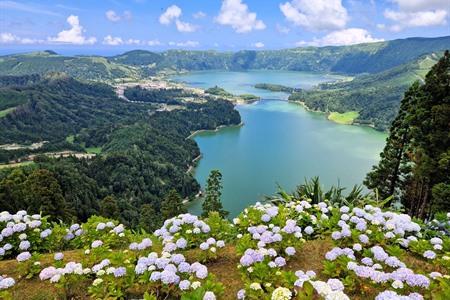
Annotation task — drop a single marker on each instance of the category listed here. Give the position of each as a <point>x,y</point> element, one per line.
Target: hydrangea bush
<point>373,253</point>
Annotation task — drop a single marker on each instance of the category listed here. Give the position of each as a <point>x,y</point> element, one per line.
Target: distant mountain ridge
<point>353,59</point>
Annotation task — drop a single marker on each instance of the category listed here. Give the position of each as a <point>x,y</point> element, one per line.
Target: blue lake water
<point>280,143</point>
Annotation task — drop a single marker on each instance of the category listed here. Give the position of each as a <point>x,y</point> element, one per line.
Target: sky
<point>114,26</point>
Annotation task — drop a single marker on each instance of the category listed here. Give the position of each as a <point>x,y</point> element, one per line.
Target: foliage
<point>376,97</point>
<point>372,251</point>
<point>142,157</point>
<point>276,88</point>
<point>213,192</point>
<point>414,164</point>
<point>168,96</point>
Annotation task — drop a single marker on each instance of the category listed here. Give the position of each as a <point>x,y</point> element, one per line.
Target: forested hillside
<point>376,97</point>
<point>144,152</point>
<point>94,68</point>
<point>354,59</point>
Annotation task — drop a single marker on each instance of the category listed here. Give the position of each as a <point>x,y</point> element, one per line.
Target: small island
<point>276,88</point>
<point>221,92</point>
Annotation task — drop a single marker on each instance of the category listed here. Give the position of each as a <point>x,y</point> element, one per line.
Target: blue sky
<point>89,26</point>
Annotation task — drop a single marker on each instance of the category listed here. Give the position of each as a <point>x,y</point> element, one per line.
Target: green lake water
<point>280,143</point>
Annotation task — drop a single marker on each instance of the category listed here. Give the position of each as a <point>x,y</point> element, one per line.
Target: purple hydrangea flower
<point>290,251</point>
<point>120,272</point>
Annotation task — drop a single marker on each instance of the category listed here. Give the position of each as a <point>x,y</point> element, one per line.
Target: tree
<point>387,175</point>
<point>172,205</point>
<point>109,207</point>
<point>43,194</point>
<point>213,193</point>
<point>149,220</point>
<point>415,163</point>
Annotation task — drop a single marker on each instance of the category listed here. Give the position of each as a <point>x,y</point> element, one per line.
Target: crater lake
<point>281,143</point>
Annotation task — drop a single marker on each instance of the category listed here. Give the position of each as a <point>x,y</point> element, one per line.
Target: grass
<point>346,118</point>
<point>94,150</point>
<point>70,138</point>
<point>6,111</point>
<point>15,165</point>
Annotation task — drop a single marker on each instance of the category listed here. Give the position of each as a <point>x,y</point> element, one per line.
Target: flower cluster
<point>6,282</point>
<point>20,232</point>
<point>54,274</point>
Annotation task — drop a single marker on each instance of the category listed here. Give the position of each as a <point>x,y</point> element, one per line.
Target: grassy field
<point>346,118</point>
<point>6,111</point>
<point>70,138</point>
<point>94,150</point>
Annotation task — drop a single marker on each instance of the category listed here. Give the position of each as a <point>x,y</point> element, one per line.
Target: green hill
<point>375,96</point>
<point>82,67</point>
<point>354,59</point>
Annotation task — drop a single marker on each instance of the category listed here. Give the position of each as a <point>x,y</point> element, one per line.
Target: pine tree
<point>172,205</point>
<point>387,176</point>
<point>415,164</point>
<point>430,127</point>
<point>43,195</point>
<point>213,193</point>
<point>149,220</point>
<point>109,207</point>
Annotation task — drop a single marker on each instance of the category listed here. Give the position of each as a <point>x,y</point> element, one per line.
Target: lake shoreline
<point>213,130</point>
<point>303,104</point>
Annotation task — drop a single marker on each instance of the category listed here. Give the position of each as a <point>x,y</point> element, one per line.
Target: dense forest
<point>415,163</point>
<point>168,96</point>
<point>143,156</point>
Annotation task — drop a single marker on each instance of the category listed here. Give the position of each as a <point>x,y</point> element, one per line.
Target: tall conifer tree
<point>213,193</point>
<point>415,164</point>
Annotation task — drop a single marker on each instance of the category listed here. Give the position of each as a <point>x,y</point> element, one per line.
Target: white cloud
<point>184,26</point>
<point>258,45</point>
<point>112,41</point>
<point>349,36</point>
<point>234,13</point>
<point>173,14</point>
<point>133,42</point>
<point>282,29</point>
<point>74,35</point>
<point>117,41</point>
<point>316,14</point>
<point>190,44</point>
<point>154,43</point>
<point>422,5</point>
<point>9,38</point>
<point>112,16</point>
<point>199,15</point>
<point>418,13</point>
<point>416,19</point>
